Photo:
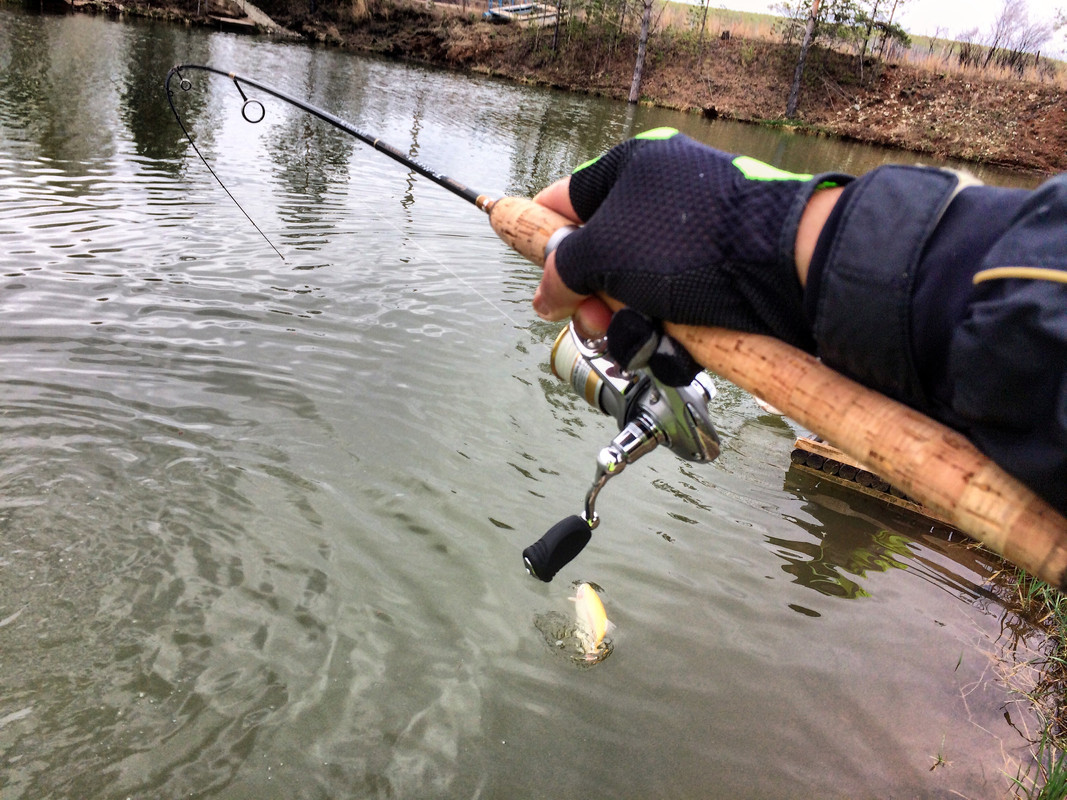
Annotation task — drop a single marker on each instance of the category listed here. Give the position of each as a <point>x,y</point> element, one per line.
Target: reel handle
<point>553,551</point>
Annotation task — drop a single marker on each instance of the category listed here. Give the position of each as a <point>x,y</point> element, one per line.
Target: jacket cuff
<point>860,288</point>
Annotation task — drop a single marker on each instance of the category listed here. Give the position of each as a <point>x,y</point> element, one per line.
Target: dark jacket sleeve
<point>893,303</point>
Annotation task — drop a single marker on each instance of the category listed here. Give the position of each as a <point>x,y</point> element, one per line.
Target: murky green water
<point>261,519</point>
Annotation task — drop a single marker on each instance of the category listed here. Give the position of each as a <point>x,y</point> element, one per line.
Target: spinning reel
<point>649,413</point>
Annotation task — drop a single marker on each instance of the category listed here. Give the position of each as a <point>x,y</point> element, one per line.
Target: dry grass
<point>937,56</point>
<point>739,24</point>
<point>942,57</point>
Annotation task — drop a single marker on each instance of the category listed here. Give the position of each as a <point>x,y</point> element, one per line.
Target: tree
<point>703,21</point>
<point>890,25</point>
<point>1014,36</point>
<point>642,46</point>
<point>798,73</point>
<point>851,23</point>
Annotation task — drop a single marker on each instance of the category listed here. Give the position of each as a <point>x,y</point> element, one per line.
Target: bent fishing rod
<point>932,463</point>
<point>518,221</point>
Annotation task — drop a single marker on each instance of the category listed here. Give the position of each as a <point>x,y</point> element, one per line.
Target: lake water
<point>261,519</point>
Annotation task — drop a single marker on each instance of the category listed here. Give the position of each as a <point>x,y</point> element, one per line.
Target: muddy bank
<point>1016,124</point>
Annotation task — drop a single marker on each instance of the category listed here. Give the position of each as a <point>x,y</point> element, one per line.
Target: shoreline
<point>964,115</point>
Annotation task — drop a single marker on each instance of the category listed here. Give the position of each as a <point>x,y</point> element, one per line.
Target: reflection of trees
<point>72,77</point>
<point>310,155</point>
<point>144,109</point>
<point>851,542</point>
<point>559,132</point>
<point>25,50</point>
<point>50,88</point>
<point>413,151</point>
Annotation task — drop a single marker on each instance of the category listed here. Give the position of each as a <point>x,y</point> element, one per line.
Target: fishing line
<point>253,111</point>
<point>186,85</point>
<point>437,259</point>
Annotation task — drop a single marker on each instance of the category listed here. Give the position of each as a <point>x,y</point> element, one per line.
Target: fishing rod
<point>519,222</point>
<point>933,464</point>
<point>253,111</point>
<point>648,412</point>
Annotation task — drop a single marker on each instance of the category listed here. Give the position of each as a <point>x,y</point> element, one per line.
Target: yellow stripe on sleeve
<point>1025,273</point>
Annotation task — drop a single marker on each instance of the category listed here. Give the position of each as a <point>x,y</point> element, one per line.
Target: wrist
<point>816,212</point>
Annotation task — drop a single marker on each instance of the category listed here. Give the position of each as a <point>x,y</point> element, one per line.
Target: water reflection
<point>142,105</point>
<point>849,538</point>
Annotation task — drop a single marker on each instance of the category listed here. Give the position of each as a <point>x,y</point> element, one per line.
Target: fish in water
<point>593,624</point>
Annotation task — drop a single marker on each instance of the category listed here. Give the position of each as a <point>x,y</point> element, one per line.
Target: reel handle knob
<point>563,541</point>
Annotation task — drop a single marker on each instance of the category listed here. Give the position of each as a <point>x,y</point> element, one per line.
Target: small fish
<point>593,624</point>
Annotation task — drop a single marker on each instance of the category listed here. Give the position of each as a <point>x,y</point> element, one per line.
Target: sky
<point>924,17</point>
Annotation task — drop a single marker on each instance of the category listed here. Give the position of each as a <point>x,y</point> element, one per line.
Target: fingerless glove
<point>686,233</point>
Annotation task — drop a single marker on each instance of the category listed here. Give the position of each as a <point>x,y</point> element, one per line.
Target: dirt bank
<point>1022,125</point>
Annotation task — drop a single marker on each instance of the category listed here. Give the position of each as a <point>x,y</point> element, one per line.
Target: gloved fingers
<point>636,341</point>
<point>595,179</point>
<point>553,301</point>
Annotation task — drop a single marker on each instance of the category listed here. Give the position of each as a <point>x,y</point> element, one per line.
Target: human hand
<point>553,301</point>
<point>684,233</point>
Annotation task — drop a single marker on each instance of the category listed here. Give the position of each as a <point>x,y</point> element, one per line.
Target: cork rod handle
<point>929,461</point>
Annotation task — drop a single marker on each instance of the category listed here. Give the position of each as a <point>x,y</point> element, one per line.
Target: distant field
<point>937,55</point>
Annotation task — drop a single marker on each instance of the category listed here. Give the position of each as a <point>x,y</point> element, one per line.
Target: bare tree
<point>642,46</point>
<point>1014,36</point>
<point>798,73</point>
<point>703,22</point>
<point>1012,14</point>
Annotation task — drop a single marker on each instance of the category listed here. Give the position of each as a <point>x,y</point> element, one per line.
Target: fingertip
<point>544,306</point>
<point>592,317</point>
<point>541,307</point>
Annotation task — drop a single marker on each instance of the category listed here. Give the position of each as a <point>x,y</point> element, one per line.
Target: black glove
<point>685,233</point>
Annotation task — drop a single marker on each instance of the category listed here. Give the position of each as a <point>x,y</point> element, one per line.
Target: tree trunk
<point>622,25</point>
<point>867,36</point>
<point>642,45</point>
<point>555,32</point>
<point>809,31</point>
<point>889,24</point>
